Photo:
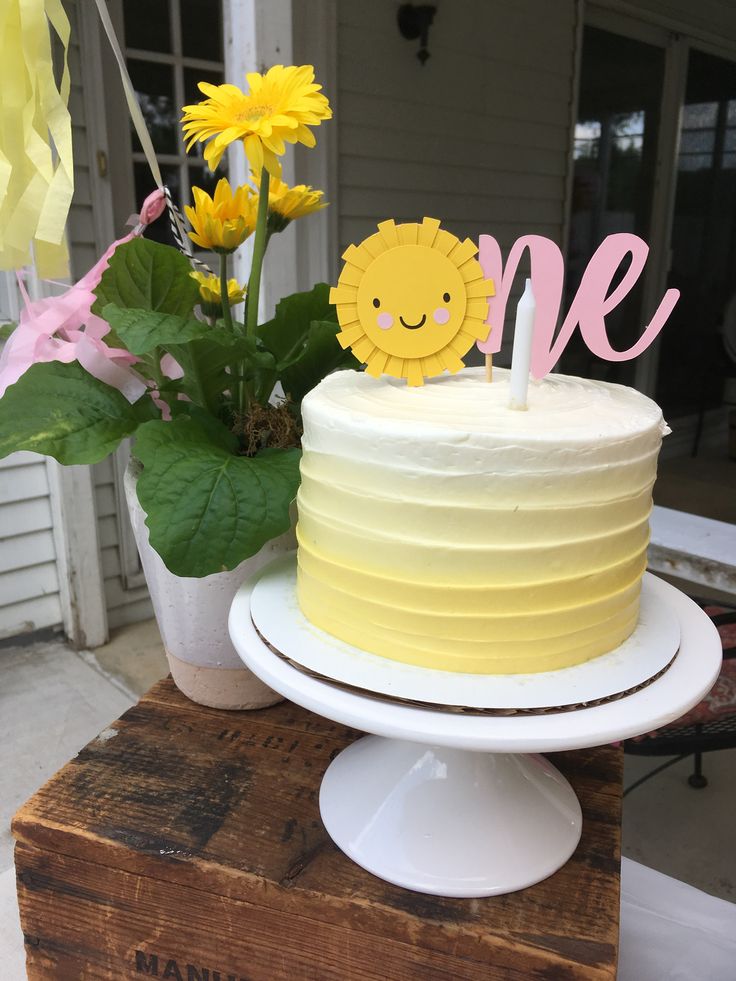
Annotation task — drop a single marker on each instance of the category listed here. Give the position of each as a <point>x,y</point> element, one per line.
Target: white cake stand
<point>450,804</point>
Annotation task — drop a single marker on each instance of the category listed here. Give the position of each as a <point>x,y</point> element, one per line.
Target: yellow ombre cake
<point>440,528</point>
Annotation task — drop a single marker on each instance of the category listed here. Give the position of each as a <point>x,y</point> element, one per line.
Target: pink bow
<point>63,328</point>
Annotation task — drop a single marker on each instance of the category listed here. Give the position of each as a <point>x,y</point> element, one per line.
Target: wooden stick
<point>489,367</point>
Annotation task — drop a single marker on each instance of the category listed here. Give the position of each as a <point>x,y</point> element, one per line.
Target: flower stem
<point>259,250</point>
<point>224,299</point>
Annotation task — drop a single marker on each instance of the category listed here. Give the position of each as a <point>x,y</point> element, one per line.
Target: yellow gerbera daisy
<point>209,289</point>
<point>222,223</point>
<point>287,203</point>
<point>280,106</point>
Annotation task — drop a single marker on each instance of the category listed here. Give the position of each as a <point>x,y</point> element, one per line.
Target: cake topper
<point>593,301</point>
<point>411,300</point>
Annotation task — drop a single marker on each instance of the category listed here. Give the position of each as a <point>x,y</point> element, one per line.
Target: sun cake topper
<point>411,300</point>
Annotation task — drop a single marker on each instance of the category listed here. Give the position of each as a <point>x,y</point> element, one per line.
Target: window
<point>170,46</point>
<point>693,360</point>
<point>616,135</point>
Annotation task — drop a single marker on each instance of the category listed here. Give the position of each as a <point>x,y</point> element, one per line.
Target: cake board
<point>461,805</point>
<point>278,619</point>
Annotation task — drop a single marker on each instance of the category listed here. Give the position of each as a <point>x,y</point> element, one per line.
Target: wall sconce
<point>414,22</point>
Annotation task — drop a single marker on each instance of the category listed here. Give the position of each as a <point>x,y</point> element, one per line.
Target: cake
<point>440,528</point>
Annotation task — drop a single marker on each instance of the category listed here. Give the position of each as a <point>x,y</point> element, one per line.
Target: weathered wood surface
<point>186,843</point>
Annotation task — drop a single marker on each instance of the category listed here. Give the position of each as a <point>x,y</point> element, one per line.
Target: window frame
<point>178,62</point>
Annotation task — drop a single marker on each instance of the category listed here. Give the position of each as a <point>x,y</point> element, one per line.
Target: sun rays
<point>411,300</point>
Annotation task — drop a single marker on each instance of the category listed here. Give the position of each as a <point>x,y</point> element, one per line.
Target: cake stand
<point>457,804</point>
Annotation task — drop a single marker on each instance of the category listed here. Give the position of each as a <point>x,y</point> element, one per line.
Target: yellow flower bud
<point>224,222</point>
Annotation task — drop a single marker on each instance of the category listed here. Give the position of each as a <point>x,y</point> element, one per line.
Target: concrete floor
<point>685,833</point>
<point>54,700</point>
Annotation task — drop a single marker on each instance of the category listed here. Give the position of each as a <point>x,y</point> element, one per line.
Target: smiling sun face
<point>411,300</point>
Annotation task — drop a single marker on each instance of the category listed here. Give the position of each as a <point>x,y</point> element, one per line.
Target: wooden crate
<point>185,843</point>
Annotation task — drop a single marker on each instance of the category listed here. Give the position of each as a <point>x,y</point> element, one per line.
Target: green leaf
<point>286,334</point>
<point>6,330</point>
<point>142,331</point>
<point>212,428</point>
<point>149,276</point>
<point>257,358</point>
<point>205,378</point>
<point>62,411</point>
<point>322,354</point>
<point>208,510</point>
<point>205,360</point>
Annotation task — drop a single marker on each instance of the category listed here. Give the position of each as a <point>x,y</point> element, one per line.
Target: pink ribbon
<point>63,328</point>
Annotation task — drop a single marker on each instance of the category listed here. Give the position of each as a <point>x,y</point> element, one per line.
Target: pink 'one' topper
<point>589,308</point>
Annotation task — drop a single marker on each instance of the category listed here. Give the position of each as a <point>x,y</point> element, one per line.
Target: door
<point>615,151</point>
<point>693,362</point>
<point>655,154</point>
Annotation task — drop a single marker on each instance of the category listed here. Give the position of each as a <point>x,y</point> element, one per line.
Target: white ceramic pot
<point>192,618</point>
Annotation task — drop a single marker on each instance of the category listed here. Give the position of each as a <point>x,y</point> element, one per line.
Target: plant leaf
<point>62,411</point>
<point>214,430</point>
<point>321,355</point>
<point>285,335</point>
<point>142,331</point>
<point>232,505</point>
<point>205,360</point>
<point>149,276</point>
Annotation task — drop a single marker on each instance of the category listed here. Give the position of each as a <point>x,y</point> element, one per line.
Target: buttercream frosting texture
<point>441,528</point>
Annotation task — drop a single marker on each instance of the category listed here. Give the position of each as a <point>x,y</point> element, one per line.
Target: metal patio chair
<point>711,725</point>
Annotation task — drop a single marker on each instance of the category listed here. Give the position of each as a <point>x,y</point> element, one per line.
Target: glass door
<point>693,363</point>
<point>615,161</point>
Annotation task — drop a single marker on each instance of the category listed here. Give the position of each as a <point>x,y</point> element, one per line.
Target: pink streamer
<point>63,328</point>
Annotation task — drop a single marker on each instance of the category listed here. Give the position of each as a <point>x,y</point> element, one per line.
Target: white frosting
<point>421,502</point>
<point>461,425</point>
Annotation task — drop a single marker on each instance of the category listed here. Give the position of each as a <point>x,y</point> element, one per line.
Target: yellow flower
<point>280,106</point>
<point>223,222</point>
<point>287,203</point>
<point>209,289</point>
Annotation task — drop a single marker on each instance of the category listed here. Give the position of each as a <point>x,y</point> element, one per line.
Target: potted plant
<point>145,347</point>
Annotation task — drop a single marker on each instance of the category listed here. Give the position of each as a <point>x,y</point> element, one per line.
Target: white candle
<point>521,358</point>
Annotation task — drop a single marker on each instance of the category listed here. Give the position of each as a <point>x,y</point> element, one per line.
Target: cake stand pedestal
<point>451,804</point>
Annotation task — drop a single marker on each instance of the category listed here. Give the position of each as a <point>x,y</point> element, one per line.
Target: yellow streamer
<point>36,169</point>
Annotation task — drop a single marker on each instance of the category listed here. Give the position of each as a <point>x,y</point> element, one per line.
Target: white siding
<point>124,604</point>
<point>90,232</point>
<point>84,249</point>
<point>478,137</point>
<point>709,20</point>
<point>29,577</point>
<point>29,584</point>
<point>29,581</point>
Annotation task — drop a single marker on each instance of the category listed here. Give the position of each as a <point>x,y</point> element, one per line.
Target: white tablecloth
<point>673,932</point>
